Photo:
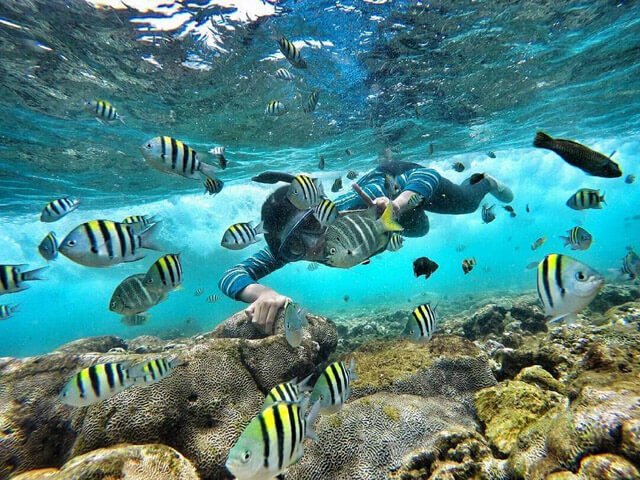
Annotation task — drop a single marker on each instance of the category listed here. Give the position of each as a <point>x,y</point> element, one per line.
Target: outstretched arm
<point>240,283</point>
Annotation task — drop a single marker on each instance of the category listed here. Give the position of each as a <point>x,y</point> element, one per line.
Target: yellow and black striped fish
<point>333,387</point>
<point>415,200</point>
<point>212,185</point>
<point>102,243</point>
<point>275,108</point>
<point>395,242</point>
<point>291,391</point>
<point>422,323</point>
<point>566,286</point>
<point>326,212</point>
<point>291,53</point>
<point>631,265</point>
<point>304,192</point>
<point>165,274</point>
<point>6,311</point>
<point>586,198</point>
<point>144,220</point>
<point>578,238</point>
<point>240,235</point>
<point>273,441</point>
<point>153,371</point>
<point>284,74</point>
<point>103,111</point>
<point>312,103</point>
<point>132,297</point>
<point>175,157</point>
<point>96,383</point>
<point>48,247</point>
<point>12,278</point>
<point>55,210</point>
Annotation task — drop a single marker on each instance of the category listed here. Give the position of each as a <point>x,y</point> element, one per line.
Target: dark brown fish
<point>321,162</point>
<point>348,151</point>
<point>458,166</point>
<point>345,298</point>
<point>337,185</point>
<point>580,156</point>
<point>528,209</point>
<point>424,266</point>
<point>352,174</point>
<point>508,208</point>
<point>468,264</point>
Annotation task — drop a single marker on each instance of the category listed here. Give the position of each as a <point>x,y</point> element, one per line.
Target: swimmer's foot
<point>498,189</point>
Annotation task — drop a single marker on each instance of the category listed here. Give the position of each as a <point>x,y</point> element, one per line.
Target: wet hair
<point>277,210</point>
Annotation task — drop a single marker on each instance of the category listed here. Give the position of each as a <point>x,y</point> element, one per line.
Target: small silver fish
<point>199,291</point>
<point>295,320</point>
<point>284,74</point>
<point>487,214</point>
<point>312,266</point>
<point>6,311</point>
<point>212,298</point>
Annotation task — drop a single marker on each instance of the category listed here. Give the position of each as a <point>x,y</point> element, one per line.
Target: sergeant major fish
<point>275,108</point>
<point>291,53</point>
<point>6,311</point>
<point>213,186</point>
<point>487,214</point>
<point>103,111</point>
<point>422,323</point>
<point>468,264</point>
<point>578,238</point>
<point>12,279</point>
<point>356,236</point>
<point>566,286</point>
<point>272,441</point>
<point>102,243</point>
<point>304,192</point>
<point>631,265</point>
<point>132,297</point>
<point>241,235</point>
<point>326,212</point>
<point>152,371</point>
<point>48,247</point>
<point>291,392</point>
<point>165,275</point>
<point>55,210</point>
<point>395,242</point>
<point>586,198</point>
<point>295,320</point>
<point>312,103</point>
<point>576,154</point>
<point>176,158</point>
<point>333,387</point>
<point>284,74</point>
<point>96,383</point>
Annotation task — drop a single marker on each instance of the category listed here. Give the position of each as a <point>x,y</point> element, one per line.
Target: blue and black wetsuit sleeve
<point>420,180</point>
<point>237,278</point>
<point>373,184</point>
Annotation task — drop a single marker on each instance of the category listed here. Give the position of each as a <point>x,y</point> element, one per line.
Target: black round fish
<point>424,266</point>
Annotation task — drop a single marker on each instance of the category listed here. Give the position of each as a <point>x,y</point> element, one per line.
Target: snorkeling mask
<point>293,246</point>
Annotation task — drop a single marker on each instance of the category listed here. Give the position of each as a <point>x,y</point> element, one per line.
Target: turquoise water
<point>465,77</point>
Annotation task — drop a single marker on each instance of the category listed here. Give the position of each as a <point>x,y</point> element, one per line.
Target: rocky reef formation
<point>497,394</point>
<point>199,410</point>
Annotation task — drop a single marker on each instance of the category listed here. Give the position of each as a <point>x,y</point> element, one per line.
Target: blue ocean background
<point>503,72</point>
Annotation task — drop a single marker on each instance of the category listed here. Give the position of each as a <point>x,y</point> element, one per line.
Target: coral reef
<point>567,405</point>
<point>199,410</point>
<point>128,462</point>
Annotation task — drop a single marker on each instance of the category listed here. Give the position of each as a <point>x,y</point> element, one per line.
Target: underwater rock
<point>200,410</point>
<point>623,314</point>
<point>454,453</point>
<point>130,462</point>
<point>100,344</point>
<point>446,365</point>
<point>508,408</point>
<point>489,319</point>
<point>563,437</point>
<point>147,344</point>
<point>373,436</point>
<point>612,295</point>
<point>538,376</point>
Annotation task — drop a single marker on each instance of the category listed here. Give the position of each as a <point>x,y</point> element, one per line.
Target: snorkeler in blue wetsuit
<point>294,234</point>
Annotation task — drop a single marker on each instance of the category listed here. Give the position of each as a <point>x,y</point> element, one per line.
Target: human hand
<point>381,204</point>
<point>264,310</point>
